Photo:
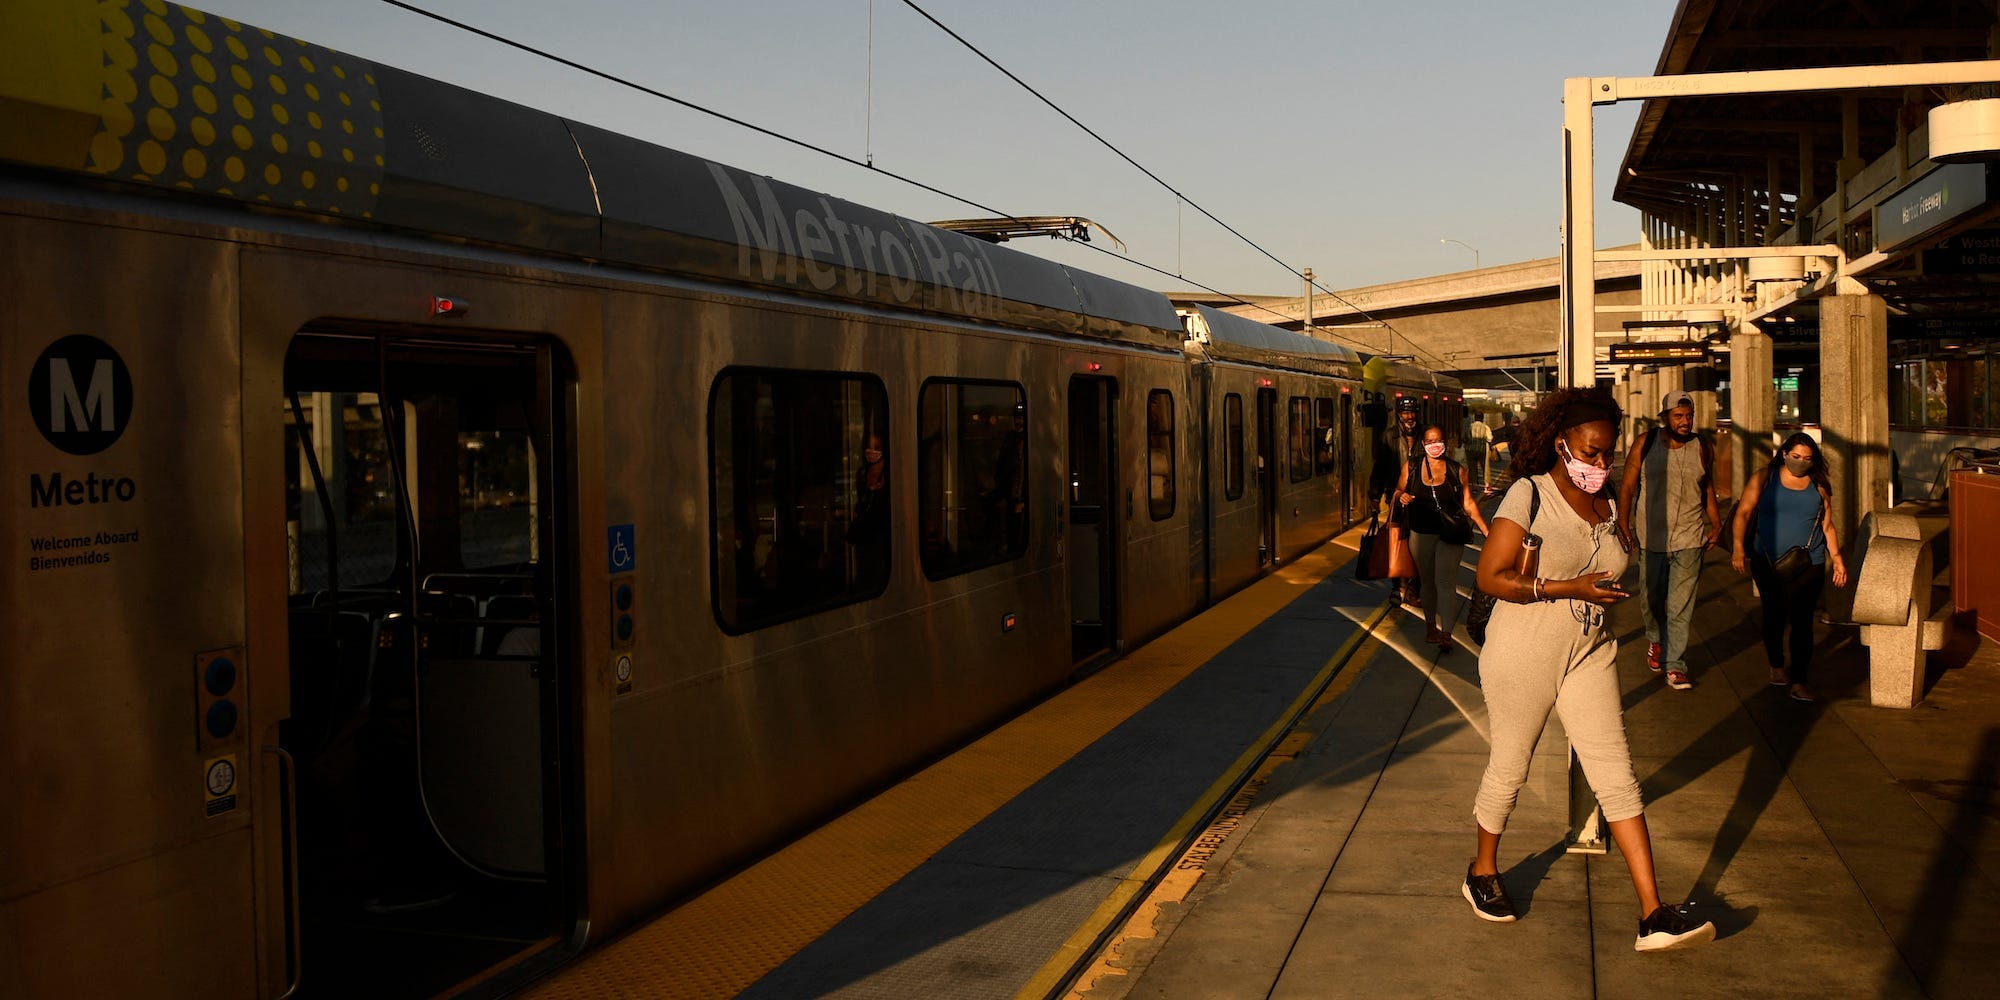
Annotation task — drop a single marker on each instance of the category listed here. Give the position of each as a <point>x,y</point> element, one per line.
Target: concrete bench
<point>1893,605</point>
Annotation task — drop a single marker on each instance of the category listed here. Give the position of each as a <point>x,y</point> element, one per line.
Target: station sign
<point>1975,252</point>
<point>1929,202</point>
<point>1680,352</point>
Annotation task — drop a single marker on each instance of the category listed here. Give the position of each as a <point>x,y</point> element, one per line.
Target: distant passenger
<point>1405,439</point>
<point>1670,478</point>
<point>868,529</point>
<point>1443,515</point>
<point>1789,505</point>
<point>1479,441</point>
<point>1553,566</point>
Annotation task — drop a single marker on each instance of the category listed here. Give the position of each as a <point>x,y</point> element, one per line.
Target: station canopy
<point>1729,156</point>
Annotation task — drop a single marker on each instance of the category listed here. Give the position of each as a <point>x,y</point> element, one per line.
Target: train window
<point>800,485</point>
<point>352,448</point>
<point>1323,436</point>
<point>972,475</point>
<point>1301,439</point>
<point>1232,446</point>
<point>496,498</point>
<point>1160,454</point>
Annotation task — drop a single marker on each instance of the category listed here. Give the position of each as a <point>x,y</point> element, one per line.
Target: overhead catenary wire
<point>690,105</point>
<point>823,151</point>
<point>1157,179</point>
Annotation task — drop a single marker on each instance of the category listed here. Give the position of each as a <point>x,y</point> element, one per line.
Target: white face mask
<point>1434,449</point>
<point>872,454</point>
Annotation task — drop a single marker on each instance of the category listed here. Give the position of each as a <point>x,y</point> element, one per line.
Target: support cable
<point>1107,144</point>
<point>869,165</point>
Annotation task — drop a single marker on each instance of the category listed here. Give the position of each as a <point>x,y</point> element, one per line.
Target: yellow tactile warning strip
<point>719,943</point>
<point>1193,864</point>
<point>1051,975</point>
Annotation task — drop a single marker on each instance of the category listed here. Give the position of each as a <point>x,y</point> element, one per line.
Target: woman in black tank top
<point>1442,515</point>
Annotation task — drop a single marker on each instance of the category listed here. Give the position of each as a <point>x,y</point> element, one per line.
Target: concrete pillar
<point>1854,406</point>
<point>1705,412</point>
<point>1753,405</point>
<point>1645,398</point>
<point>1669,381</point>
<point>1806,171</point>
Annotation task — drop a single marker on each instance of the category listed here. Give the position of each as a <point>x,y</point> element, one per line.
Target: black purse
<point>1795,561</point>
<point>1454,528</point>
<point>1373,561</point>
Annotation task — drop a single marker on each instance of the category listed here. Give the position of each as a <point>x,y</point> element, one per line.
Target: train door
<point>427,678</point>
<point>1349,508</point>
<point>1267,476</point>
<point>1093,521</point>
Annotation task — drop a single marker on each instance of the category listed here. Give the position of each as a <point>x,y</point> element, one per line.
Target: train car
<point>453,532</point>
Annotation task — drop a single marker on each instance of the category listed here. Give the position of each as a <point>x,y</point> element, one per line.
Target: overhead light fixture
<point>1776,269</point>
<point>1965,131</point>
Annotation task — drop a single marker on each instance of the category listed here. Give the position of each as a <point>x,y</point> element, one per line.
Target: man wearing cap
<point>1393,447</point>
<point>1669,477</point>
<point>1408,437</point>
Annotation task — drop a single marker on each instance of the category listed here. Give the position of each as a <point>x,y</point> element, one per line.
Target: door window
<point>972,472</point>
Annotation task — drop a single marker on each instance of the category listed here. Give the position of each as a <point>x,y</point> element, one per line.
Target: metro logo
<point>808,238</point>
<point>80,417</point>
<point>65,404</point>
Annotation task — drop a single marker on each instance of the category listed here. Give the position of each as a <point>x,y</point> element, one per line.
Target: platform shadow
<point>1954,865</point>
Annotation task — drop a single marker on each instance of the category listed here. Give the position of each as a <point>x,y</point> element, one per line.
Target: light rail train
<point>445,533</point>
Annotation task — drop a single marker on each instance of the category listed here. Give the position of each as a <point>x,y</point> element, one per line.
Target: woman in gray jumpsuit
<point>1548,649</point>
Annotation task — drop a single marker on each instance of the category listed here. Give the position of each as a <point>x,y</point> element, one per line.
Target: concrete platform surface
<point>1841,849</point>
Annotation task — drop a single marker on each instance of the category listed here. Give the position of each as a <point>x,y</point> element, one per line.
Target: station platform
<point>1275,800</point>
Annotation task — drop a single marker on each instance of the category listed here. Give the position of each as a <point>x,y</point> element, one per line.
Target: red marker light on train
<point>1096,366</point>
<point>1264,383</point>
<point>445,305</point>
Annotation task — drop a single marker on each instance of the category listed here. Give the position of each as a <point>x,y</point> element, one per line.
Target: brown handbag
<point>1402,564</point>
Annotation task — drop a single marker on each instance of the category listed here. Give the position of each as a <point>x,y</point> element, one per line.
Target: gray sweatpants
<point>1438,566</point>
<point>1538,658</point>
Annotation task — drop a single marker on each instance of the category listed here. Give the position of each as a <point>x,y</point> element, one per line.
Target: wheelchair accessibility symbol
<point>624,553</point>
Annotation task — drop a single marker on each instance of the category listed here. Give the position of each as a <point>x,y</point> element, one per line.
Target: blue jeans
<point>1667,582</point>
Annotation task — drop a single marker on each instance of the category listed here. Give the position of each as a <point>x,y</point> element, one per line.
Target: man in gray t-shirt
<point>1669,478</point>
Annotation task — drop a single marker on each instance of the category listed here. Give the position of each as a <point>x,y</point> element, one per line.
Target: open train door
<point>426,494</point>
<point>1092,520</point>
<point>1267,477</point>
<point>1350,507</point>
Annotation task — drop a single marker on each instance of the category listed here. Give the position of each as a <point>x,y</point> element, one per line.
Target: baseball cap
<point>1677,399</point>
<point>1407,403</point>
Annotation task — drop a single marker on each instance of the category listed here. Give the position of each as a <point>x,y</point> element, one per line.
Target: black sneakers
<point>1671,927</point>
<point>1488,897</point>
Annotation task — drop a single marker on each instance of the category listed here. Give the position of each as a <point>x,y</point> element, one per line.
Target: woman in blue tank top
<point>1789,504</point>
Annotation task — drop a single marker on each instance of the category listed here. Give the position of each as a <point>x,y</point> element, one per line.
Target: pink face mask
<point>1587,477</point>
<point>1435,449</point>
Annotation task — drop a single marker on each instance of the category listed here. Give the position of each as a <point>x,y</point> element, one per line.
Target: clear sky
<point>1344,136</point>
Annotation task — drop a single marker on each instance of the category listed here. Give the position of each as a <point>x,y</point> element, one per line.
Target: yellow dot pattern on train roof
<point>204,103</point>
<point>721,942</point>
